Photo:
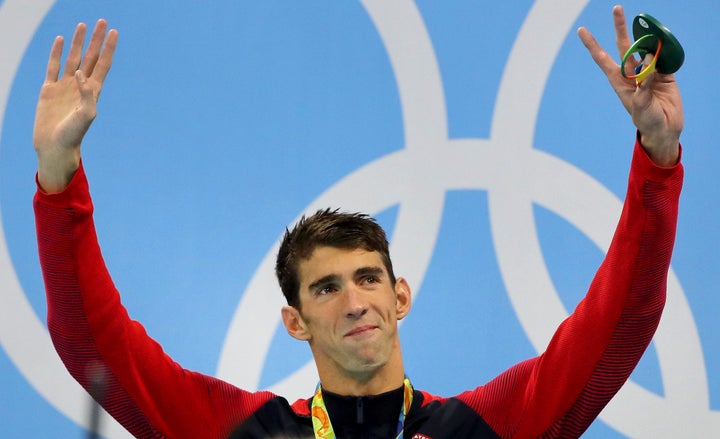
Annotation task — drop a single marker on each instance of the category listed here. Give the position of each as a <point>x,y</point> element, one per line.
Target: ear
<point>403,297</point>
<point>294,323</point>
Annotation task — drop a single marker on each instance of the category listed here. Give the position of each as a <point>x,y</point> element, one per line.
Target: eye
<point>371,279</point>
<point>325,290</point>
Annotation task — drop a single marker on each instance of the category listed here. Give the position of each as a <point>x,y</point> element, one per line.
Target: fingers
<point>94,63</point>
<point>622,37</point>
<point>53,66</point>
<point>598,54</point>
<point>93,50</point>
<point>72,62</point>
<point>106,55</point>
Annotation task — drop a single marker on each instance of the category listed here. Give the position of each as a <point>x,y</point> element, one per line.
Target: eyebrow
<point>330,278</point>
<point>365,271</point>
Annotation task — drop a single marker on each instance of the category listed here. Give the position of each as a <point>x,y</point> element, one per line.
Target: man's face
<point>350,310</point>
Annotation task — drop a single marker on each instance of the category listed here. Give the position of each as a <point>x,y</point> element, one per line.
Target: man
<point>345,301</point>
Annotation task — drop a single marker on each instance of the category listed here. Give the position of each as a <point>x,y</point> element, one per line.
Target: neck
<point>374,381</point>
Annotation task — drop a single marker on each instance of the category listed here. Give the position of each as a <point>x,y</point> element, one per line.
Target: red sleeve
<point>593,352</point>
<point>143,388</point>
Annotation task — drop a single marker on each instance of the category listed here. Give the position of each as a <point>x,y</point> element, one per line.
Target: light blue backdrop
<point>223,121</point>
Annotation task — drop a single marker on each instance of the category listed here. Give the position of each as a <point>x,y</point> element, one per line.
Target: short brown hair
<point>331,228</point>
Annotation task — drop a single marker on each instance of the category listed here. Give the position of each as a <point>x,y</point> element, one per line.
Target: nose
<point>356,303</point>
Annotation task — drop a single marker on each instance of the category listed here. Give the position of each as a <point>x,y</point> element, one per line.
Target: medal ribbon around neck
<point>321,418</point>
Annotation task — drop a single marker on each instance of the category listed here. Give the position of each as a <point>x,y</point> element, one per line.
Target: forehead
<point>326,261</point>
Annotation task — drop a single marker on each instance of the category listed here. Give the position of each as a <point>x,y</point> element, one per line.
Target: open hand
<point>68,103</point>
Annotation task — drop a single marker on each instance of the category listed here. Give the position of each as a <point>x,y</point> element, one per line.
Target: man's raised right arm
<point>103,349</point>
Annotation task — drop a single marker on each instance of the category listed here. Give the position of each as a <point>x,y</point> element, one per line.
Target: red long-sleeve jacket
<point>557,394</point>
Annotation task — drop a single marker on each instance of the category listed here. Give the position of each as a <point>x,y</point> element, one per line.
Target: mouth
<point>360,330</point>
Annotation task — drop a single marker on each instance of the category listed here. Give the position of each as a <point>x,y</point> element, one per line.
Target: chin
<point>369,364</point>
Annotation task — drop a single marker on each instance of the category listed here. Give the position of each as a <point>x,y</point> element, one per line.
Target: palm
<point>60,121</point>
<point>660,110</point>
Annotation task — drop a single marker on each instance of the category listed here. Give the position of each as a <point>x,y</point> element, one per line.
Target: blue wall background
<point>221,122</point>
